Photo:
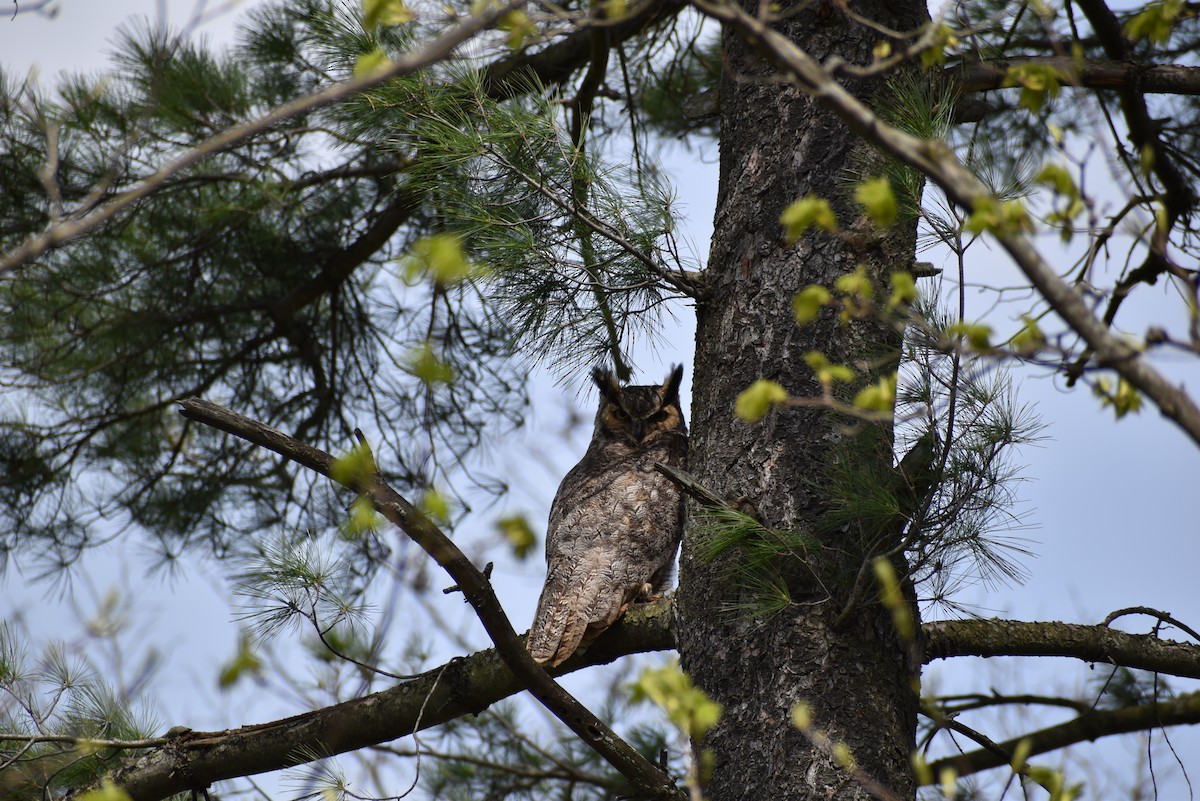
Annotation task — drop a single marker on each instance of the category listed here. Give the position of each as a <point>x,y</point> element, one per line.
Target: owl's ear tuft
<point>604,379</point>
<point>670,387</point>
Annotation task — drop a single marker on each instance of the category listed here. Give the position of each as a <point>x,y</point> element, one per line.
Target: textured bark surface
<point>778,145</point>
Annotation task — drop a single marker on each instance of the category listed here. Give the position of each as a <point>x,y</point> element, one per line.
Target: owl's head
<point>638,415</point>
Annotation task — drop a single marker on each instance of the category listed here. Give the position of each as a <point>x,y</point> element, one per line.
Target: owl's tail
<point>570,613</point>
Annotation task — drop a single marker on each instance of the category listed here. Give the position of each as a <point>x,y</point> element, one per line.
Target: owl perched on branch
<point>616,521</point>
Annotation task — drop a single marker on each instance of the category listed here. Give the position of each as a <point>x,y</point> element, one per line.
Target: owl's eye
<point>619,413</point>
<point>658,416</point>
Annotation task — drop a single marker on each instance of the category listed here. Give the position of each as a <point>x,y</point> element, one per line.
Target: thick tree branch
<point>554,64</point>
<point>948,638</point>
<point>475,586</point>
<point>1085,728</point>
<point>1175,79</point>
<point>460,687</point>
<point>938,163</point>
<point>471,684</point>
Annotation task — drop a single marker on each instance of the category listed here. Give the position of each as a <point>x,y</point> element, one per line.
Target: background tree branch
<point>1088,727</point>
<point>471,684</point>
<point>950,638</point>
<point>1175,79</point>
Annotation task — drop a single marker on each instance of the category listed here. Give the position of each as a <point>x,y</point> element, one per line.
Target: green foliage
<point>1038,82</point>
<point>356,468</point>
<point>517,532</point>
<point>62,692</point>
<point>678,97</point>
<point>386,12</point>
<point>808,303</point>
<point>753,555</point>
<point>828,373</point>
<point>1122,396</point>
<point>1155,21</point>
<point>877,199</point>
<point>505,179</point>
<point>920,105</point>
<point>303,581</point>
<point>891,595</point>
<point>756,400</point>
<point>805,213</point>
<point>688,707</point>
<point>245,661</point>
<point>904,291</point>
<point>257,278</point>
<point>440,257</point>
<point>879,397</point>
<point>962,527</point>
<point>107,791</point>
<point>952,497</point>
<point>425,365</point>
<point>368,63</point>
<point>998,217</point>
<point>436,506</point>
<point>977,335</point>
<point>943,38</point>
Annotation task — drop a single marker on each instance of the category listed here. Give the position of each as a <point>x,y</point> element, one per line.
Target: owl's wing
<point>610,532</point>
<point>579,601</point>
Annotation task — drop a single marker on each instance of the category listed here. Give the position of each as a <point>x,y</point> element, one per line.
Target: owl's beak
<point>639,430</point>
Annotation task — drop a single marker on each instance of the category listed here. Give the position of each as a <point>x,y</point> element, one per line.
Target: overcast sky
<point>1111,505</point>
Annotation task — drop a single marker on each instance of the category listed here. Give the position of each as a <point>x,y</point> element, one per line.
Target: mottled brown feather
<point>616,522</point>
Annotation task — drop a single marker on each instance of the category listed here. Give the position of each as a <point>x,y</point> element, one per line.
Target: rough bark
<point>777,145</point>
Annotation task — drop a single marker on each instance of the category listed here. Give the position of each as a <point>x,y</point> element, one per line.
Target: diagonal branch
<point>475,586</point>
<point>461,687</point>
<point>471,684</point>
<point>938,163</point>
<point>1085,728</point>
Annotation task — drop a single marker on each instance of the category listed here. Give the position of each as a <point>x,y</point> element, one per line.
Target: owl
<point>616,521</point>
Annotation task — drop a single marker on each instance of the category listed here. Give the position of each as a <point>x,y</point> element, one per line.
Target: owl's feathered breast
<point>615,504</point>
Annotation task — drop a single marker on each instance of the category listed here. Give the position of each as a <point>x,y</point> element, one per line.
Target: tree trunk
<point>778,145</point>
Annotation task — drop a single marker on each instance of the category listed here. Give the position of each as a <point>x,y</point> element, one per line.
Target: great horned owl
<point>616,521</point>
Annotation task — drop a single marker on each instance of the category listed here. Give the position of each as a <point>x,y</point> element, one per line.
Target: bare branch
<point>1092,726</point>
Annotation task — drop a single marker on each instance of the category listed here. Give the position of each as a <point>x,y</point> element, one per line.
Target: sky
<point>1109,506</point>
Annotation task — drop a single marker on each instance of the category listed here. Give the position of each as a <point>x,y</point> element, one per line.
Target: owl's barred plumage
<point>616,521</point>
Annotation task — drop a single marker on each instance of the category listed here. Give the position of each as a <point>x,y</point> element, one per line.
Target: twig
<point>691,485</point>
